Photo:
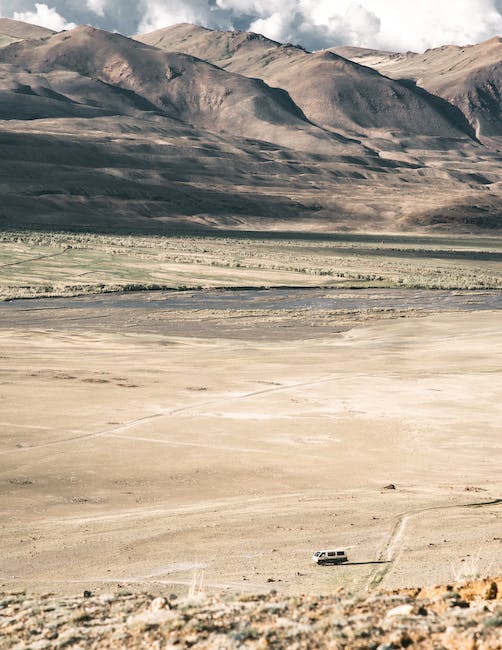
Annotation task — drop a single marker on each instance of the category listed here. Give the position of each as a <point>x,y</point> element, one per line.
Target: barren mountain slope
<point>178,86</point>
<point>468,77</point>
<point>153,173</point>
<point>15,30</point>
<point>102,131</point>
<point>331,90</point>
<point>28,96</point>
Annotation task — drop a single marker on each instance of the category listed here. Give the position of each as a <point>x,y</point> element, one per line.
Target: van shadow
<point>366,563</point>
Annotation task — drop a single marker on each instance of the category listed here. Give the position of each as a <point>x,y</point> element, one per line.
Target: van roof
<point>331,550</point>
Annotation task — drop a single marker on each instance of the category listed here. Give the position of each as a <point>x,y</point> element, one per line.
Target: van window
<point>340,553</point>
<point>317,554</point>
<point>331,554</point>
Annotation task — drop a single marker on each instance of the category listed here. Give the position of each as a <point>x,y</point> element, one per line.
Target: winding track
<point>390,552</point>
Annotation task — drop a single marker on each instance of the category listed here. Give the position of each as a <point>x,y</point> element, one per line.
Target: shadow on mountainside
<point>451,112</point>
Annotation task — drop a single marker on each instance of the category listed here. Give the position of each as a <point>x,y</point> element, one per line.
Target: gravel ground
<point>466,616</point>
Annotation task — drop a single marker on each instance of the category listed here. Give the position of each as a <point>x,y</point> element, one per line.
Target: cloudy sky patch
<point>386,24</point>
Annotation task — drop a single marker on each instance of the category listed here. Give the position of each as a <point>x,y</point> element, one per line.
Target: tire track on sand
<point>85,436</point>
<point>167,413</point>
<point>388,554</point>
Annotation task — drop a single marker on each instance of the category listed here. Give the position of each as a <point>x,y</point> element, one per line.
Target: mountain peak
<point>331,90</point>
<point>496,40</point>
<point>196,36</point>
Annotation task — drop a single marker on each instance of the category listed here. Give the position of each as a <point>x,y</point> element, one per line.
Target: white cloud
<point>158,14</point>
<point>274,27</point>
<point>45,17</point>
<point>421,24</point>
<point>387,24</point>
<point>316,23</point>
<point>97,6</point>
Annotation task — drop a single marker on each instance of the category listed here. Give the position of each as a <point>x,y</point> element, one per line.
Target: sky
<point>398,25</point>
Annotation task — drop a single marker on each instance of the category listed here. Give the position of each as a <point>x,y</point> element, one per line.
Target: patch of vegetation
<point>49,263</point>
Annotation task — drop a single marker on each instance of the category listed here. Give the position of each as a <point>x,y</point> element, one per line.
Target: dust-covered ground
<point>220,450</point>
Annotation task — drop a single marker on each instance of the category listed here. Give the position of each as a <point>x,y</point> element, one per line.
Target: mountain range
<point>188,127</point>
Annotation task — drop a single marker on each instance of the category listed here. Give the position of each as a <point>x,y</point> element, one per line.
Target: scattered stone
<point>402,610</point>
<point>87,594</point>
<point>158,603</point>
<point>492,591</point>
<point>40,645</point>
<point>149,619</point>
<point>424,619</point>
<point>21,481</point>
<point>391,486</point>
<point>107,598</point>
<point>69,637</point>
<point>463,604</point>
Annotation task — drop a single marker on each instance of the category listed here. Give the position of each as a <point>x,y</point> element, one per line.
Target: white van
<point>330,556</point>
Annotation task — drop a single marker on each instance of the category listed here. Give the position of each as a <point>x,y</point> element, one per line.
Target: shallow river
<point>271,299</point>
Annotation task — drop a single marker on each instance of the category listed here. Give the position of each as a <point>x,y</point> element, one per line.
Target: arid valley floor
<point>250,308</point>
<point>210,443</point>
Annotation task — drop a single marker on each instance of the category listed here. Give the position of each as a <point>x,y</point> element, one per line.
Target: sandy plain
<point>197,456</point>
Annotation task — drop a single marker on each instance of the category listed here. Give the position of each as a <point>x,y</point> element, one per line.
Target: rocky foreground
<point>466,616</point>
